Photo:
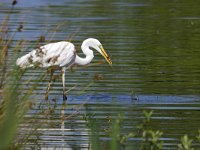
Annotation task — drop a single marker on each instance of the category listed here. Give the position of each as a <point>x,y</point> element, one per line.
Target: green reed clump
<point>13,102</point>
<point>94,135</point>
<point>151,138</point>
<point>117,138</point>
<point>198,136</point>
<point>186,143</point>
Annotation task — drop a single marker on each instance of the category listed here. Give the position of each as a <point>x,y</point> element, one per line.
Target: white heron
<point>61,55</point>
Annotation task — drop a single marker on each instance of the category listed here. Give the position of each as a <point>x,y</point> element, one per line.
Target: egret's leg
<point>49,85</point>
<point>63,82</point>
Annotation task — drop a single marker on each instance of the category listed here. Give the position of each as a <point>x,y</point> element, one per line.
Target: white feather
<point>60,54</point>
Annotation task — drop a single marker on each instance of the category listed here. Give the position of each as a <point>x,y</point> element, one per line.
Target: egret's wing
<point>58,54</point>
<point>53,54</point>
<point>67,57</point>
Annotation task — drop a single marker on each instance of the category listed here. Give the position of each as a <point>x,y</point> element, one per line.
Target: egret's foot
<point>64,97</point>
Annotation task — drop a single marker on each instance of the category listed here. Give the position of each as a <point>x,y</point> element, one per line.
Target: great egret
<point>62,55</point>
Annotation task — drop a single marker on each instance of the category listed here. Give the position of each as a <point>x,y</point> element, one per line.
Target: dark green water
<point>154,46</point>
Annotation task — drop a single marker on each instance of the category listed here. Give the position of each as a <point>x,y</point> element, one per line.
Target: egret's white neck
<point>88,53</point>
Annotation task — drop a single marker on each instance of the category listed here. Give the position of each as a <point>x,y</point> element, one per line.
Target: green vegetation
<point>151,139</point>
<point>13,104</point>
<point>186,143</point>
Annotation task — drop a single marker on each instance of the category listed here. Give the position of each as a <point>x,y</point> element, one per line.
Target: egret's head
<point>95,44</point>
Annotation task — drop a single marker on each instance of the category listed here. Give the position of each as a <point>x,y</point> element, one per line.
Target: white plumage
<point>63,55</point>
<point>60,54</point>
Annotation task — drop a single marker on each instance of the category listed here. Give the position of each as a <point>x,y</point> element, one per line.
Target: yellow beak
<point>105,55</point>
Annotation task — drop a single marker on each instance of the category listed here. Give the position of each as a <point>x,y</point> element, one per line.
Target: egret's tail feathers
<point>24,61</point>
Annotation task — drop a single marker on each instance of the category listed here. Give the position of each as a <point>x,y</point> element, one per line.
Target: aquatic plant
<point>13,102</point>
<point>186,143</point>
<point>151,138</point>
<point>13,107</point>
<point>117,138</point>
<point>198,136</point>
